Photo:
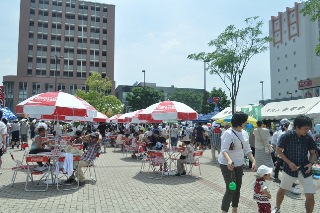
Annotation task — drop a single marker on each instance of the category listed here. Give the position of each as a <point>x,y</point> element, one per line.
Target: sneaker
<point>184,173</point>
<point>275,210</point>
<point>69,181</point>
<point>276,180</point>
<point>295,190</point>
<point>82,183</point>
<point>178,174</point>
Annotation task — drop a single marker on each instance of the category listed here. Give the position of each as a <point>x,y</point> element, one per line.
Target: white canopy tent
<point>228,111</point>
<point>291,109</point>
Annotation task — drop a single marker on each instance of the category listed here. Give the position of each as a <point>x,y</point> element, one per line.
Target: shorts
<point>307,183</point>
<point>104,141</point>
<point>200,140</point>
<point>15,136</point>
<point>24,138</point>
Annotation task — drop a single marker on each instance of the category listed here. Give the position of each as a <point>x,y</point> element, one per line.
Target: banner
<point>245,110</point>
<point>2,96</point>
<point>256,112</point>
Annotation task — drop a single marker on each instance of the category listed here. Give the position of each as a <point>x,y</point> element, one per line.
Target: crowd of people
<point>290,146</point>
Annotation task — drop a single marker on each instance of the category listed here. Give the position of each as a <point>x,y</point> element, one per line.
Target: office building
<point>60,43</point>
<point>292,57</point>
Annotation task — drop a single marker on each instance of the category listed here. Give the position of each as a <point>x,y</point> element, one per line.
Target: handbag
<point>267,148</point>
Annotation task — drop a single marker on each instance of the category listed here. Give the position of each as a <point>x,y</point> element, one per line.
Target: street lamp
<point>55,73</point>
<point>204,75</point>
<point>290,93</point>
<point>261,82</point>
<point>144,78</point>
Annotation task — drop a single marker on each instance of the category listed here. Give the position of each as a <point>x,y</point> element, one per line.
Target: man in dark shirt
<point>102,130</point>
<point>293,148</point>
<point>200,137</point>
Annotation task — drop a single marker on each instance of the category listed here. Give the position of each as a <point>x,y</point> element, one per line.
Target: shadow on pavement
<point>131,160</point>
<point>166,180</point>
<point>17,191</point>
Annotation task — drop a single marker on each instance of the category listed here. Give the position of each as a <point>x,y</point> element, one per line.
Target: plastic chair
<point>44,171</point>
<point>91,164</point>
<point>196,162</point>
<point>156,158</point>
<point>119,141</point>
<point>62,173</point>
<point>19,167</point>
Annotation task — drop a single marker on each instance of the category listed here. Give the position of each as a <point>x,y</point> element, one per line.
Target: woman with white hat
<point>186,156</point>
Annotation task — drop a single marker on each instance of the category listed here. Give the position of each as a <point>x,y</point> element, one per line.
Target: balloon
<point>232,186</point>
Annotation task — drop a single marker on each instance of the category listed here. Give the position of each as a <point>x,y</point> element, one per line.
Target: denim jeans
<point>231,195</point>
<point>174,141</point>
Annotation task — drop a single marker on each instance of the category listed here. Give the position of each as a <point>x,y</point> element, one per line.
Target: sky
<point>158,35</point>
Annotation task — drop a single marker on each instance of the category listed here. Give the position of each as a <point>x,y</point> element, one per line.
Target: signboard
<point>245,110</point>
<point>256,113</point>
<point>2,96</point>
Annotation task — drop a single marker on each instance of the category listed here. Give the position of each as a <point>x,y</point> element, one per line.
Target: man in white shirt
<point>3,134</point>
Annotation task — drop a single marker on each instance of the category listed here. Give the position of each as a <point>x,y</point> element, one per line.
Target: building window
<point>61,87</point>
<point>294,53</point>
<point>278,70</point>
<point>278,82</point>
<point>295,78</point>
<point>295,65</point>
<point>73,89</point>
<point>279,93</point>
<point>48,87</point>
<point>85,88</point>
<point>29,72</point>
<point>36,88</point>
<point>23,88</point>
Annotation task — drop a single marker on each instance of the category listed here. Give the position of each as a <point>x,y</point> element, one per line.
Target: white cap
<point>284,121</point>
<point>264,170</point>
<point>185,138</point>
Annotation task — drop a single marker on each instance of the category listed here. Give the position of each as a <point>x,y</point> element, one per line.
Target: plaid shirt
<point>296,150</point>
<point>90,154</point>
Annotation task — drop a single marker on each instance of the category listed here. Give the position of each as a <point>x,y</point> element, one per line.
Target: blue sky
<point>157,36</point>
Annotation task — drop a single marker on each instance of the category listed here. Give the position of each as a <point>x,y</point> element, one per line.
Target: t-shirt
<point>102,130</point>
<point>3,131</point>
<point>199,132</point>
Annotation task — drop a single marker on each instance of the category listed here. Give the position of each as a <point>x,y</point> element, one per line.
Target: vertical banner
<point>245,110</point>
<point>256,112</point>
<point>2,96</point>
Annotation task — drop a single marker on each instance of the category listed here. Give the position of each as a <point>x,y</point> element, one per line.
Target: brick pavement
<point>122,188</point>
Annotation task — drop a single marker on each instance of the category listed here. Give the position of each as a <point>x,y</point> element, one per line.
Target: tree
<point>188,97</point>
<point>96,96</point>
<point>142,97</point>
<point>233,49</point>
<point>312,7</point>
<point>223,103</point>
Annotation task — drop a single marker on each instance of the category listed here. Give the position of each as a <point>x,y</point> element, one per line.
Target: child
<point>261,194</point>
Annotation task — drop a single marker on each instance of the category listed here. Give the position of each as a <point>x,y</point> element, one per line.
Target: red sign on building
<point>1,96</point>
<point>305,83</point>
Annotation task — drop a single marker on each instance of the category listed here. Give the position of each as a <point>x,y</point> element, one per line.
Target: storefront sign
<point>305,83</point>
<point>1,96</point>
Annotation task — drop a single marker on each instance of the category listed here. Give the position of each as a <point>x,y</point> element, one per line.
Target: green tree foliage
<point>96,96</point>
<point>223,103</point>
<point>142,97</point>
<point>312,7</point>
<point>188,97</point>
<point>205,106</point>
<point>233,50</point>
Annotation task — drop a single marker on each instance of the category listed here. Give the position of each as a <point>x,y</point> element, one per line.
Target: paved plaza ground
<point>121,187</point>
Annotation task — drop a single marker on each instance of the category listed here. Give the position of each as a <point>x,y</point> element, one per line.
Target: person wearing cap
<point>275,140</point>
<point>87,157</point>
<point>261,194</point>
<point>185,157</point>
<point>297,150</point>
<point>234,145</point>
